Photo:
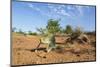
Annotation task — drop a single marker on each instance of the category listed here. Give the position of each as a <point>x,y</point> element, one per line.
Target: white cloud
<point>54,10</point>
<point>63,12</point>
<point>33,7</point>
<point>58,10</point>
<point>77,10</point>
<point>80,10</point>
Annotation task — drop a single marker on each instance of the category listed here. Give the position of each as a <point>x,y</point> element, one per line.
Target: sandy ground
<point>22,53</point>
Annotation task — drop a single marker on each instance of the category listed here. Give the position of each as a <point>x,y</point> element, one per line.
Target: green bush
<point>20,31</point>
<point>77,32</point>
<point>68,29</point>
<point>53,26</point>
<point>32,33</point>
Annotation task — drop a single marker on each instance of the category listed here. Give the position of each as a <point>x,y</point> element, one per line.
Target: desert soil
<point>22,53</point>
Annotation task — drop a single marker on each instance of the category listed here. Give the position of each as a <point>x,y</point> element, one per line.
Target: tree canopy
<point>68,29</point>
<point>53,26</point>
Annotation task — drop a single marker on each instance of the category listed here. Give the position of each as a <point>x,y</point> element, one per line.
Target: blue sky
<point>29,15</point>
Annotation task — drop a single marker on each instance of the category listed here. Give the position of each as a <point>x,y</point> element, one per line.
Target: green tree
<point>29,32</point>
<point>21,32</point>
<point>32,33</point>
<point>53,26</point>
<point>68,29</point>
<point>41,30</point>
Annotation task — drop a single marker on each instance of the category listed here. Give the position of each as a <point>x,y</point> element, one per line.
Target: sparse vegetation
<point>76,33</point>
<point>41,30</point>
<point>21,32</point>
<point>32,33</point>
<point>69,29</point>
<point>53,26</point>
<point>68,49</point>
<point>47,33</point>
<point>25,45</point>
